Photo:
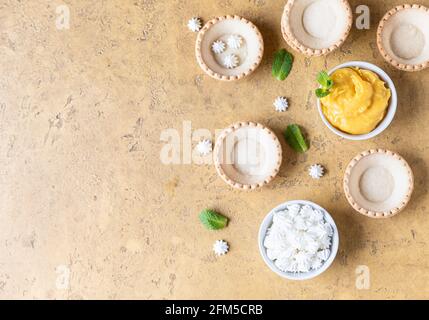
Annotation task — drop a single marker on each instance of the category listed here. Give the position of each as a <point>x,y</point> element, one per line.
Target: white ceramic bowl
<point>266,224</point>
<point>391,111</point>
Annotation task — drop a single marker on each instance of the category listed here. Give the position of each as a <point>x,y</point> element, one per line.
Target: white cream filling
<point>405,36</point>
<point>318,24</point>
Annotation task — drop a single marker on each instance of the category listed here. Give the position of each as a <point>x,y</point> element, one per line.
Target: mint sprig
<point>326,84</point>
<point>282,65</point>
<point>213,220</point>
<point>321,93</point>
<point>295,138</point>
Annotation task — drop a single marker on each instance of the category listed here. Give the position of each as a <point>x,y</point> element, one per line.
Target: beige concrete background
<point>87,210</point>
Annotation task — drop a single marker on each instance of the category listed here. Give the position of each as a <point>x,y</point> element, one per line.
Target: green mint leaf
<point>286,67</point>
<point>282,65</point>
<point>323,79</point>
<point>213,220</point>
<point>278,61</point>
<point>326,84</point>
<point>295,139</point>
<point>321,93</point>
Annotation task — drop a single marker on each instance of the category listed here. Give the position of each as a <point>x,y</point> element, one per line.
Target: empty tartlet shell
<point>386,56</point>
<point>218,166</point>
<point>382,214</point>
<point>219,76</point>
<point>295,44</point>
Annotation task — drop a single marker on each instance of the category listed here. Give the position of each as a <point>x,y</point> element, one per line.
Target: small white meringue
<point>204,147</point>
<point>282,220</point>
<point>324,254</point>
<point>304,261</point>
<point>218,46</point>
<point>294,209</point>
<point>317,216</point>
<point>316,171</point>
<point>325,242</point>
<point>195,24</point>
<point>316,263</point>
<point>272,254</point>
<point>220,247</point>
<point>231,61</point>
<point>317,231</point>
<point>281,104</point>
<point>328,229</point>
<point>312,247</point>
<point>307,212</point>
<point>235,41</point>
<point>300,223</point>
<point>283,264</point>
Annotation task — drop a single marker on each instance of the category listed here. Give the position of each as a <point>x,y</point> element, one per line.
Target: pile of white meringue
<point>299,239</point>
<point>233,42</point>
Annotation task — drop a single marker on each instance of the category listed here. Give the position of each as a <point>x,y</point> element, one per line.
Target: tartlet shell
<point>386,56</point>
<point>219,76</point>
<point>220,171</point>
<point>381,214</point>
<point>310,52</point>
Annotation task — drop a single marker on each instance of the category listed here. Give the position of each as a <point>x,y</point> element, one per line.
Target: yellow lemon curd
<point>358,101</point>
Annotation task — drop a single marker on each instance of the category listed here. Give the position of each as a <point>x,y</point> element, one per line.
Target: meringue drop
<point>218,46</point>
<point>281,104</point>
<point>316,171</point>
<point>204,147</point>
<point>235,41</point>
<point>195,24</point>
<point>220,247</point>
<point>231,61</point>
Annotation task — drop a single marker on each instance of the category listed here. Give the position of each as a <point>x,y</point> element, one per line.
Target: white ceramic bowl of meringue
<point>267,223</point>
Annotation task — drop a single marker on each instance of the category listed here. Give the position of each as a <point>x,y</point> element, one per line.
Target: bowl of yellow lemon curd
<point>361,103</point>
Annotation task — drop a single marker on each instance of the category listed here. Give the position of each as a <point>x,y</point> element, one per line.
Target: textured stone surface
<point>88,210</point>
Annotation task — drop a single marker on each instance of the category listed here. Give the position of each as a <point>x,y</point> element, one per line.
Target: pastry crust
<point>235,179</point>
<point>217,72</point>
<point>308,50</point>
<point>384,51</point>
<point>379,213</point>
